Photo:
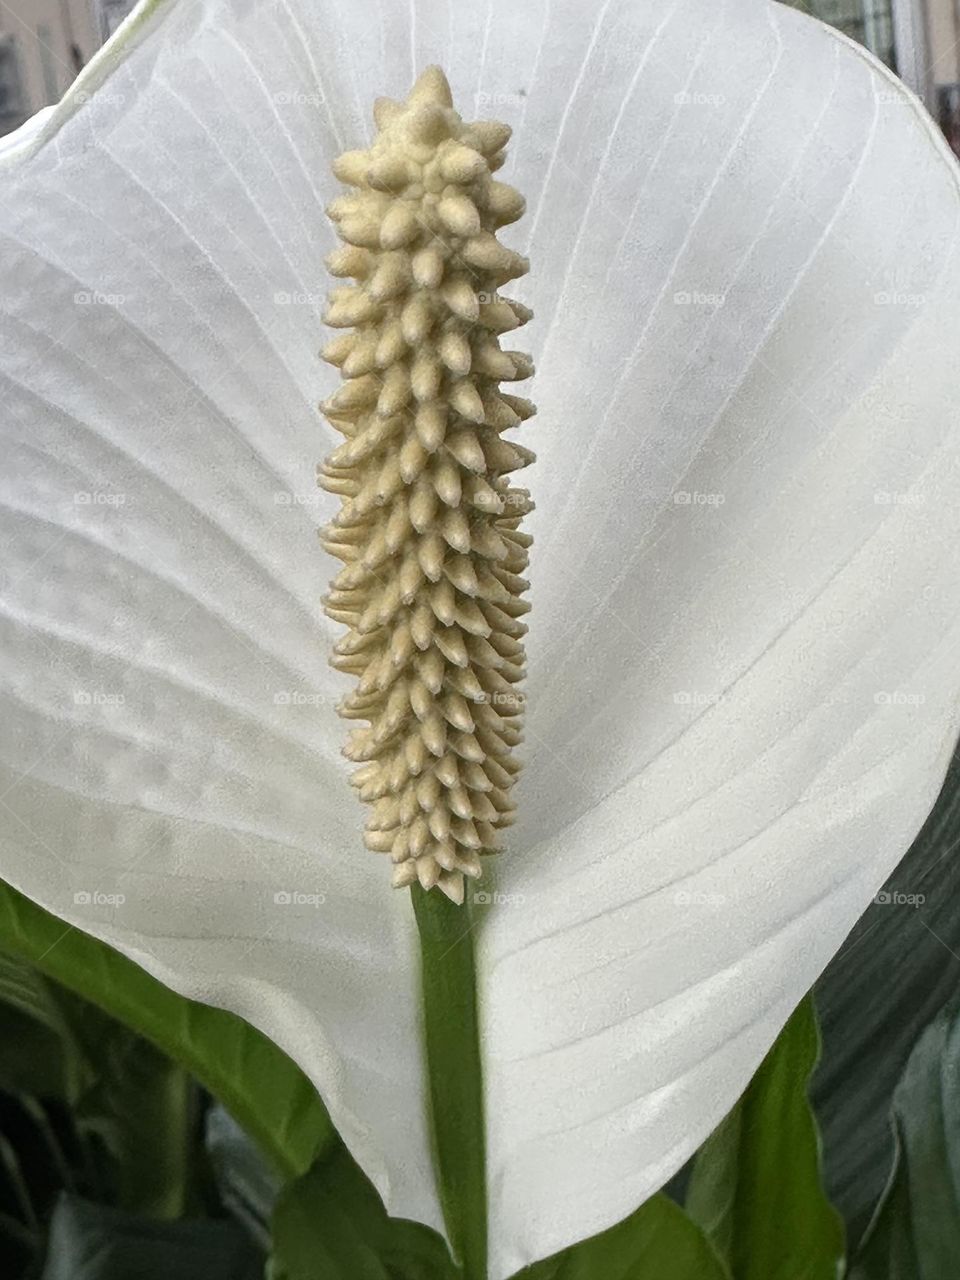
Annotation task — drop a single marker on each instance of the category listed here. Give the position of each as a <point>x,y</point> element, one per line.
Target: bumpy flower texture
<point>429,526</point>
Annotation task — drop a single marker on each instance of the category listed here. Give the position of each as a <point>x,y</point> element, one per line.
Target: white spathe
<point>743,655</point>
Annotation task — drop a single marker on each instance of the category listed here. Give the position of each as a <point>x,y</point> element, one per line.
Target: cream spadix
<point>428,530</point>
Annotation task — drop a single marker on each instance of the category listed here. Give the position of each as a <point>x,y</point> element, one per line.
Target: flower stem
<point>456,1084</point>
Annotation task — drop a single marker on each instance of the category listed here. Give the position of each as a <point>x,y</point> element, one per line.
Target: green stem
<point>456,1084</point>
<point>152,1100</point>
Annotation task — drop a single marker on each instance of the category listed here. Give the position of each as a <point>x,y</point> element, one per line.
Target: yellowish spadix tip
<point>428,530</point>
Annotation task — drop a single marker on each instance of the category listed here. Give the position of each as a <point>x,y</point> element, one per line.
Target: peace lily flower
<point>741,688</point>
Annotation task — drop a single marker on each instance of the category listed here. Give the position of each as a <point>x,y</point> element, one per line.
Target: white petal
<point>742,703</point>
<point>169,736</point>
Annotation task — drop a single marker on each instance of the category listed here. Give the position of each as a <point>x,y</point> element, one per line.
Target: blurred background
<point>44,43</point>
<point>919,39</point>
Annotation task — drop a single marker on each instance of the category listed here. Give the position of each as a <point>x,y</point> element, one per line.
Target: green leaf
<point>658,1242</point>
<point>144,1107</point>
<point>38,1051</point>
<point>256,1081</point>
<point>915,1234</point>
<point>448,980</point>
<point>90,1242</point>
<point>32,1057</point>
<point>756,1186</point>
<point>906,945</point>
<point>135,1100</point>
<point>331,1225</point>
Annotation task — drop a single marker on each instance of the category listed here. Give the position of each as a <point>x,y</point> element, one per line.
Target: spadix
<point>428,529</point>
